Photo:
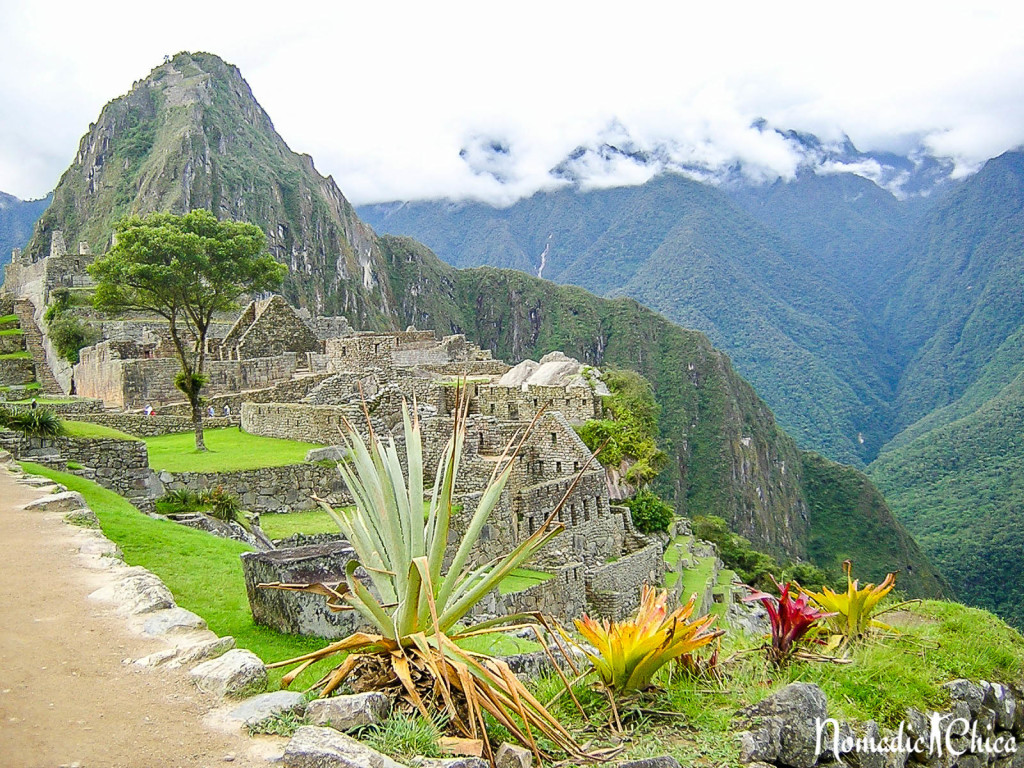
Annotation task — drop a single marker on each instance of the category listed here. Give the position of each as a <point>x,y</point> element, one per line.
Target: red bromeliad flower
<point>791,616</point>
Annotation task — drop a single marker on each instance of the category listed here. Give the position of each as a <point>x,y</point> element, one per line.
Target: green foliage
<point>74,428</point>
<point>281,724</point>
<point>629,434</point>
<point>229,449</point>
<point>649,512</point>
<point>752,567</point>
<point>36,422</point>
<point>223,505</point>
<point>216,502</point>
<point>69,335</point>
<point>404,736</point>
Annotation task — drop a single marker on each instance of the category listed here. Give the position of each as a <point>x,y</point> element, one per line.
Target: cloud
<point>402,99</point>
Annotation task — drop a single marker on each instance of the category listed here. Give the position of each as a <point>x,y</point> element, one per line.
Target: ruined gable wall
<point>276,330</point>
<point>577,404</point>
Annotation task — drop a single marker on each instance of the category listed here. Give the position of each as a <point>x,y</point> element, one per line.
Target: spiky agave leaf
<point>630,652</point>
<point>852,609</point>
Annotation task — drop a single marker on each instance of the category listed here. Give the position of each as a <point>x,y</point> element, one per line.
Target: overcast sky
<point>385,95</point>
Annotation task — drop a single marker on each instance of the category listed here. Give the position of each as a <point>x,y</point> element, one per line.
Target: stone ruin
<point>283,373</point>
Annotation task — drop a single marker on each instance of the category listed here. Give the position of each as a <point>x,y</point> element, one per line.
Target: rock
<point>347,712</point>
<point>237,673</point>
<point>83,518</point>
<point>448,762</point>
<point>967,692</point>
<point>102,546</point>
<point>172,621</point>
<point>866,759</point>
<point>191,653</point>
<point>762,742</point>
<point>513,756</point>
<point>313,747</point>
<point>137,591</point>
<point>663,761</point>
<point>1000,700</point>
<point>799,707</point>
<point>266,705</point>
<point>329,453</point>
<point>68,501</point>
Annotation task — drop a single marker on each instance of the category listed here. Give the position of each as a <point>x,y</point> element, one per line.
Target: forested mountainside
<point>17,218</point>
<point>191,135</point>
<point>878,329</point>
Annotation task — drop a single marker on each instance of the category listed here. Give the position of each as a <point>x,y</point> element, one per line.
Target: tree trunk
<point>197,423</point>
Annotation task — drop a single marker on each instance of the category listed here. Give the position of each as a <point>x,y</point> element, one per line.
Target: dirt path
<point>66,697</point>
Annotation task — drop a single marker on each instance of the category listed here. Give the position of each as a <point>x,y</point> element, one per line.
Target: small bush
<point>69,335</point>
<point>178,502</point>
<point>650,513</point>
<point>36,422</point>
<point>282,724</point>
<point>223,505</point>
<point>404,736</point>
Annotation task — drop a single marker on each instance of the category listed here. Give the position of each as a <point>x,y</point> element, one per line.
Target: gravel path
<point>66,696</point>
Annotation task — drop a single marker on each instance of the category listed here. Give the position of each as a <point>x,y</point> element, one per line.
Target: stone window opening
<point>558,467</point>
<point>586,511</point>
<point>492,409</point>
<point>344,351</point>
<point>376,349</point>
<point>540,466</point>
<point>554,438</point>
<point>481,441</point>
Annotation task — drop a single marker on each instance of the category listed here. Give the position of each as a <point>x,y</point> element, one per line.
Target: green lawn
<point>229,449</point>
<point>4,319</point>
<point>41,399</point>
<point>22,355</point>
<point>522,579</point>
<point>88,429</point>
<point>311,521</point>
<point>11,331</point>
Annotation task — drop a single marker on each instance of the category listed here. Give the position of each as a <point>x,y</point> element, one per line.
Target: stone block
<point>237,673</point>
<point>172,621</point>
<point>266,705</point>
<point>136,592</point>
<point>346,713</point>
<point>314,747</point>
<point>798,707</point>
<point>67,501</point>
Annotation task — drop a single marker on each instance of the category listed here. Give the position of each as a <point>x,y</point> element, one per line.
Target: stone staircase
<point>25,311</point>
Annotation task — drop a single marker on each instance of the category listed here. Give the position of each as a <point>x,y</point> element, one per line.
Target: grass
<point>42,400</point>
<point>11,331</point>
<point>22,355</point>
<point>30,387</point>
<point>88,429</point>
<point>522,579</point>
<point>404,737</point>
<point>230,449</point>
<point>695,579</point>
<point>4,319</point>
<point>309,522</point>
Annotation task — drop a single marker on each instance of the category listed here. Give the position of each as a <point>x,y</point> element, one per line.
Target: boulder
<point>172,621</point>
<point>313,747</point>
<point>328,453</point>
<point>964,690</point>
<point>266,705</point>
<point>237,673</point>
<point>346,713</point>
<point>795,711</point>
<point>83,518</point>
<point>513,756</point>
<point>67,501</point>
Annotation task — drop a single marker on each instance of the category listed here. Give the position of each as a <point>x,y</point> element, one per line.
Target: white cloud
<point>386,95</point>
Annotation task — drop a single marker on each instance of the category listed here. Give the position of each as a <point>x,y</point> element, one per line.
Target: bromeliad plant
<point>791,616</point>
<point>851,610</point>
<point>629,653</point>
<point>416,604</point>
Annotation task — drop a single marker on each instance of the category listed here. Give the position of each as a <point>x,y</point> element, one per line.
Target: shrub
<point>650,512</point>
<point>852,608</point>
<point>223,505</point>
<point>36,422</point>
<point>69,335</point>
<point>791,616</point>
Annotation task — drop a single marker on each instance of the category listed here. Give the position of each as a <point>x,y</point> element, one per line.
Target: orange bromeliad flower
<point>630,652</point>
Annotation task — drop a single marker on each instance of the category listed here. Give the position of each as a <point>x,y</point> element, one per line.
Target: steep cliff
<point>191,135</point>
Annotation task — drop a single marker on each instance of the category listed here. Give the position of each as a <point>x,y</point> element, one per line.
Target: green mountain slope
<point>688,251</point>
<point>191,135</point>
<point>17,218</point>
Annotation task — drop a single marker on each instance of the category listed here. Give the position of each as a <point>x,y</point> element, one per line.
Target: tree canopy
<point>186,268</point>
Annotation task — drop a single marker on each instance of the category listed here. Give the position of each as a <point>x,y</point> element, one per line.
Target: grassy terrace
<point>230,449</point>
<point>22,355</point>
<point>88,429</point>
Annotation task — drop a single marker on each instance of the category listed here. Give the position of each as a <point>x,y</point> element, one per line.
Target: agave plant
<point>36,422</point>
<point>629,653</point>
<point>416,604</point>
<point>852,609</point>
<point>791,616</point>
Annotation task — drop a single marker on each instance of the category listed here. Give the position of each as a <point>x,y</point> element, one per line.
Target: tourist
<point>227,410</point>
<point>34,403</point>
<point>148,410</point>
<point>210,412</point>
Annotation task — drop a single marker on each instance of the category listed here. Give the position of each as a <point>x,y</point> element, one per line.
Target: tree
<point>186,269</point>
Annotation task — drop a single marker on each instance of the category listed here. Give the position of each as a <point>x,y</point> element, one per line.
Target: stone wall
<point>119,465</point>
<point>11,342</point>
<point>270,489</point>
<point>291,391</point>
<point>577,404</point>
<point>613,589</point>
<point>140,425</point>
<point>105,372</point>
<point>17,370</point>
<point>268,328</point>
<point>297,421</point>
<point>564,596</point>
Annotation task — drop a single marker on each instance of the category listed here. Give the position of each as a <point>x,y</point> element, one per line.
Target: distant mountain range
<point>17,217</point>
<point>191,135</point>
<point>884,330</point>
